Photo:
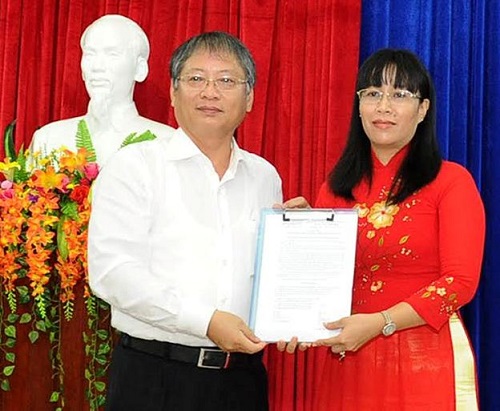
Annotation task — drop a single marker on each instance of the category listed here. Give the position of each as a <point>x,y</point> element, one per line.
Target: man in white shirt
<point>115,52</point>
<point>172,243</point>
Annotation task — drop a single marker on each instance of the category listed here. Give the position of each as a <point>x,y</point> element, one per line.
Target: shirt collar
<point>180,147</point>
<point>394,163</point>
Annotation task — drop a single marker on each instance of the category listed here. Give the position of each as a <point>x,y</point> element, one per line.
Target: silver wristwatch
<point>390,326</point>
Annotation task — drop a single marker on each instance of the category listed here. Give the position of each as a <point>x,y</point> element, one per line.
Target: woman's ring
<point>337,348</point>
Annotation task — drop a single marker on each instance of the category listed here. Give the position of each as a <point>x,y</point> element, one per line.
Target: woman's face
<point>390,118</point>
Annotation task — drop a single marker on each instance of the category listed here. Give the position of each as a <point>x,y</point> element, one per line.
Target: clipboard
<point>304,270</point>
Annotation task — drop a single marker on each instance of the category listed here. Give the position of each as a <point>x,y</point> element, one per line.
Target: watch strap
<point>387,317</point>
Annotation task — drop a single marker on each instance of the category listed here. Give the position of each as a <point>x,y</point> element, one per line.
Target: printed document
<point>303,273</point>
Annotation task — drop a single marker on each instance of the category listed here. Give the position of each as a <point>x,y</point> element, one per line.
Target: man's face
<point>210,110</point>
<point>109,65</point>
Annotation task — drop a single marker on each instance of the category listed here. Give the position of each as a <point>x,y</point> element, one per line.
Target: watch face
<point>389,329</point>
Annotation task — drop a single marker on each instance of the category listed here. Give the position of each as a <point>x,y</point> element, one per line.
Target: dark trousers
<point>144,382</point>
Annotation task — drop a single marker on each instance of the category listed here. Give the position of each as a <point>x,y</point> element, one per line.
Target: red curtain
<point>307,55</point>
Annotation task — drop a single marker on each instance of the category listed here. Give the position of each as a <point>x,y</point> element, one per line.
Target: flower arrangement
<point>44,215</point>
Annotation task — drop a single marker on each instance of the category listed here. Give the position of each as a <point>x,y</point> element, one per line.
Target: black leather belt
<point>203,357</point>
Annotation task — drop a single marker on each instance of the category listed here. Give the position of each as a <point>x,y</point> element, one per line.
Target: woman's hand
<point>356,331</point>
<point>292,345</point>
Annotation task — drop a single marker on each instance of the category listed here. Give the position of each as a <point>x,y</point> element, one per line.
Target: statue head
<point>115,53</point>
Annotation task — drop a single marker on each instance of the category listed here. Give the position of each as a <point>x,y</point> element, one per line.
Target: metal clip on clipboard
<point>308,214</point>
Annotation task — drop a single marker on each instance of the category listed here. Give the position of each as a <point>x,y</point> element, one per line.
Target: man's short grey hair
<point>139,40</point>
<point>217,42</point>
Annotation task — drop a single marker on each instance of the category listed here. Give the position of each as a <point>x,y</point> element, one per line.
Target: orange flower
<point>49,179</point>
<point>72,162</point>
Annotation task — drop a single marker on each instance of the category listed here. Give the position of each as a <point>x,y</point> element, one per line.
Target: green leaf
<point>101,400</point>
<point>84,140</point>
<point>70,209</point>
<point>100,386</point>
<point>10,357</point>
<point>8,142</point>
<point>134,138</point>
<point>33,336</point>
<point>101,360</point>
<point>24,295</point>
<point>88,374</point>
<point>25,318</point>
<point>22,174</point>
<point>10,331</point>
<point>62,244</point>
<point>102,334</point>
<point>22,290</point>
<point>12,318</point>
<point>101,372</point>
<point>5,385</point>
<point>53,314</point>
<point>103,349</point>
<point>128,140</point>
<point>8,370</point>
<point>40,325</point>
<point>54,397</point>
<point>10,342</point>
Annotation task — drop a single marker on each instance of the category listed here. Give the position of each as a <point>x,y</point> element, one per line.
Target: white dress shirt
<point>170,242</point>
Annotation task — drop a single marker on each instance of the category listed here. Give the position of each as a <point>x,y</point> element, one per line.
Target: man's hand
<point>231,334</point>
<point>296,202</point>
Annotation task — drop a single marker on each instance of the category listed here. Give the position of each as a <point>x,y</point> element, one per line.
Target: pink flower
<point>6,184</point>
<point>9,193</point>
<point>7,189</point>
<point>91,170</point>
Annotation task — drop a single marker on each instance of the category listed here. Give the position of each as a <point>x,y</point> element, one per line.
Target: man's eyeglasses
<point>374,96</point>
<point>196,82</point>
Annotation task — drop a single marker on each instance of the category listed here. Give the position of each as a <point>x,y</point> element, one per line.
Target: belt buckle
<point>201,359</point>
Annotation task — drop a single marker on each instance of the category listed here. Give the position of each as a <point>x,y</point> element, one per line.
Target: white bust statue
<point>115,53</point>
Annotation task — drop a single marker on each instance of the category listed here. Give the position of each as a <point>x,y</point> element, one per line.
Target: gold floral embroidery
<point>376,285</point>
<point>382,215</point>
<point>449,302</point>
<point>404,239</point>
<point>429,290</point>
<point>405,251</point>
<point>363,210</point>
<point>374,220</point>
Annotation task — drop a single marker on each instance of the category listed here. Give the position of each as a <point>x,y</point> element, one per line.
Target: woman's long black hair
<point>423,160</point>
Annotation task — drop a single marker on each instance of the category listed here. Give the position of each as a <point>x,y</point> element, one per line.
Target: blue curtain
<point>459,41</point>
